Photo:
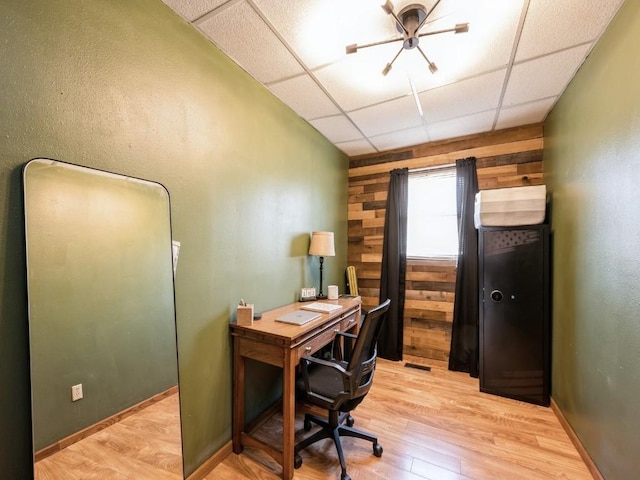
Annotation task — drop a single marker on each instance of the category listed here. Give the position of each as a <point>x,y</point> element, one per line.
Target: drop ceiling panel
<point>556,70</point>
<point>243,36</point>
<point>319,30</point>
<point>401,138</point>
<point>356,147</point>
<point>388,116</point>
<point>357,80</point>
<point>337,129</point>
<point>508,70</point>
<point>478,123</point>
<point>463,98</point>
<point>553,26</point>
<point>193,9</point>
<point>488,44</point>
<point>533,112</point>
<point>305,97</point>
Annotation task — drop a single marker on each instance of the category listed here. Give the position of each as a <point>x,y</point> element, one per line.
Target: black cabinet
<point>514,312</point>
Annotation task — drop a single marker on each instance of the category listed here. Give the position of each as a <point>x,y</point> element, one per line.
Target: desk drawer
<point>326,337</point>
<point>317,342</point>
<point>348,322</point>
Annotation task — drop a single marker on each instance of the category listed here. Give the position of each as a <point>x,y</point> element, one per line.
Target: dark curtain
<point>463,356</point>
<point>394,265</point>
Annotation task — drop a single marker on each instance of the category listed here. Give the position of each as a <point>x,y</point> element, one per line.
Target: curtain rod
<point>432,168</point>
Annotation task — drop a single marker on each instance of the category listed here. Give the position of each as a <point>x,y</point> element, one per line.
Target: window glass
<point>432,227</point>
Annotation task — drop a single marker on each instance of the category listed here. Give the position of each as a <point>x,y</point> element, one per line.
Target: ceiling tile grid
<point>243,35</point>
<point>400,138</point>
<point>557,25</point>
<point>533,112</point>
<point>386,117</point>
<point>305,97</point>
<point>508,70</point>
<point>337,128</point>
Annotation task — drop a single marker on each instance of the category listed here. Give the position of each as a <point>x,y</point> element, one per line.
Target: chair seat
<point>323,381</point>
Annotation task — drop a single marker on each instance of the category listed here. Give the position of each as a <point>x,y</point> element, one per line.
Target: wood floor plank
<point>432,425</point>
<point>144,445</point>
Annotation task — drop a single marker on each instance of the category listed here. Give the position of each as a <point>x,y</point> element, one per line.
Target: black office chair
<point>340,384</point>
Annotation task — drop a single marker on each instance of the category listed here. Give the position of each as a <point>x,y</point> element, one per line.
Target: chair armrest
<point>320,361</point>
<point>306,360</point>
<point>347,334</point>
<point>336,350</point>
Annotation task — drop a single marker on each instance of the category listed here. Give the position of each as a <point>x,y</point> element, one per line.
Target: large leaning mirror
<point>104,376</point>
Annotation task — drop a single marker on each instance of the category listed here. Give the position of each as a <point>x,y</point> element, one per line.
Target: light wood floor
<point>433,425</point>
<point>145,445</point>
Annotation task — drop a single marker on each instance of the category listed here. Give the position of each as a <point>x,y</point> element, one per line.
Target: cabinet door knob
<point>308,349</point>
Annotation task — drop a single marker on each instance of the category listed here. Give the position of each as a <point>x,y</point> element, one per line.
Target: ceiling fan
<point>408,22</point>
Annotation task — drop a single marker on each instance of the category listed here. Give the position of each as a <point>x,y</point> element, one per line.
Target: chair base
<point>336,426</point>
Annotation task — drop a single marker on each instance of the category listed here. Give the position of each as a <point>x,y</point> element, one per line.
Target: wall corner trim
<point>591,466</point>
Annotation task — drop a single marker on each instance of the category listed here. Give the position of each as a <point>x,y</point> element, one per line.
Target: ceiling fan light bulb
<point>462,28</point>
<point>352,48</point>
<point>387,7</point>
<point>386,69</point>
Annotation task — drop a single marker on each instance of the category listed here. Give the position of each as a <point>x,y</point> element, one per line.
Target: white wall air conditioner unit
<point>509,207</point>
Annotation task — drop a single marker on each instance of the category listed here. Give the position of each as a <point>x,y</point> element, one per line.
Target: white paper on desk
<point>322,307</point>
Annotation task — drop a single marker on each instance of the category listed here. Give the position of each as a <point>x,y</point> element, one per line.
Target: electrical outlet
<point>76,392</point>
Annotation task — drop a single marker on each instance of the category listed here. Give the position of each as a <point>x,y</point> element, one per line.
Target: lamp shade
<point>322,244</point>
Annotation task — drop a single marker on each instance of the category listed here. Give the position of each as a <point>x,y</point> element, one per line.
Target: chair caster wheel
<point>344,476</point>
<point>297,461</point>
<point>307,425</point>
<point>377,449</point>
<point>350,421</point>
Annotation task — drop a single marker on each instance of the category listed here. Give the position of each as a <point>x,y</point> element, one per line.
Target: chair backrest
<point>363,355</point>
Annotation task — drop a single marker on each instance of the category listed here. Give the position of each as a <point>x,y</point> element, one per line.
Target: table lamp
<point>322,246</point>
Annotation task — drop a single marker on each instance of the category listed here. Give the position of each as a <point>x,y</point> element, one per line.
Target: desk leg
<point>288,414</point>
<point>238,397</point>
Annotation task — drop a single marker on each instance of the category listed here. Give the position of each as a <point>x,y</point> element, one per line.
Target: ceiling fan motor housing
<point>411,17</point>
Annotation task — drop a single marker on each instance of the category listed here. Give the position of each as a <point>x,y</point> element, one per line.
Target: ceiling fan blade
<point>387,68</point>
<point>355,47</point>
<point>459,28</point>
<point>388,8</point>
<point>427,15</point>
<point>432,66</point>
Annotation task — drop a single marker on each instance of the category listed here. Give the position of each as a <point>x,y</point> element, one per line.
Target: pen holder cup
<point>244,315</point>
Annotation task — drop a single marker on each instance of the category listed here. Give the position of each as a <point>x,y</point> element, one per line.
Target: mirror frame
<point>100,278</point>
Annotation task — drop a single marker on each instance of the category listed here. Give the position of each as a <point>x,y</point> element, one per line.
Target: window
<point>432,227</point>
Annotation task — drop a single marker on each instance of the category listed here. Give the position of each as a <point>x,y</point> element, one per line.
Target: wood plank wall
<point>506,158</point>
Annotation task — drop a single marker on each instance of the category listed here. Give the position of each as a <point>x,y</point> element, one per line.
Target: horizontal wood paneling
<point>507,158</point>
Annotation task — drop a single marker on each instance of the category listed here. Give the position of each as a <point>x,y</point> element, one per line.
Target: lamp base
<point>321,297</point>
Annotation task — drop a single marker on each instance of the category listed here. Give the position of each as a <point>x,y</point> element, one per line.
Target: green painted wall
<point>592,165</point>
<point>129,87</point>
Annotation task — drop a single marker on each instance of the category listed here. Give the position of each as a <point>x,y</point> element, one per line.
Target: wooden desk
<point>283,345</point>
